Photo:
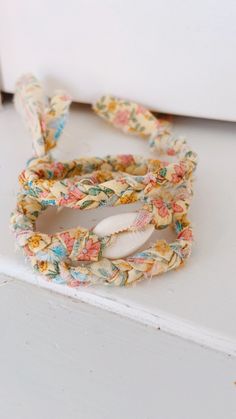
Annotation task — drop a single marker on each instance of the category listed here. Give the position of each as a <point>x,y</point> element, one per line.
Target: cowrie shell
<point>126,242</point>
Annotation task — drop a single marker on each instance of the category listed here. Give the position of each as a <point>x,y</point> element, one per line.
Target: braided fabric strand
<point>164,188</point>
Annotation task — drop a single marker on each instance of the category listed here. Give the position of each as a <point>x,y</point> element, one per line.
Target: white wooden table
<point>61,358</point>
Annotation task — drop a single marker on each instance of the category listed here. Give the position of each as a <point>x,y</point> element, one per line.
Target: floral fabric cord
<point>164,188</point>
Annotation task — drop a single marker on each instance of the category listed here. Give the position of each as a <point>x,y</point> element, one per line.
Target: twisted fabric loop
<point>164,187</point>
<point>44,119</point>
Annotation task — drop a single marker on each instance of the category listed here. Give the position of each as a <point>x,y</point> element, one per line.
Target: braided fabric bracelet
<point>164,188</point>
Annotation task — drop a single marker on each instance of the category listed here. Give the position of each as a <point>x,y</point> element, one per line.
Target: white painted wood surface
<point>60,358</point>
<point>197,302</point>
<point>174,56</point>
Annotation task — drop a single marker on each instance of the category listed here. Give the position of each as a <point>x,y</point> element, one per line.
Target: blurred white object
<point>173,56</point>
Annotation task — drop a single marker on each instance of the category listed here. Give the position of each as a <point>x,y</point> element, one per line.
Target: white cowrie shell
<point>127,242</point>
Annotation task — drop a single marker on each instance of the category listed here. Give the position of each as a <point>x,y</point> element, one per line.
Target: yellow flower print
<point>103,176</point>
<point>42,266</point>
<point>27,206</point>
<point>162,247</point>
<point>42,183</point>
<point>51,182</point>
<point>128,199</point>
<point>35,242</point>
<point>132,130</point>
<point>112,106</point>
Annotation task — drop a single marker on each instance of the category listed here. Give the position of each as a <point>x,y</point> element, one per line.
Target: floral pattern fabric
<point>163,187</point>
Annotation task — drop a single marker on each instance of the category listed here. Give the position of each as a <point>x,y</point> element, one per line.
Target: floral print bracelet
<point>79,256</point>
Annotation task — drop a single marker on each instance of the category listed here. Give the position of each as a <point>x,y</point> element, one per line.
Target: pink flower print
<point>68,241</point>
<point>93,179</point>
<point>158,123</point>
<point>177,208</point>
<point>122,118</point>
<point>57,169</point>
<point>143,218</point>
<point>136,260</point>
<point>90,251</point>
<point>76,193</point>
<point>66,98</point>
<point>171,152</point>
<point>73,196</point>
<point>43,194</point>
<point>186,234</point>
<point>140,110</point>
<point>76,283</point>
<point>28,251</point>
<point>149,178</point>
<point>126,159</point>
<point>161,206</point>
<point>43,124</point>
<point>179,172</point>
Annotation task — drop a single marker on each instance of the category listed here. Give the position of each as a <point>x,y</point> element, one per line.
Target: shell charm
<point>126,242</point>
